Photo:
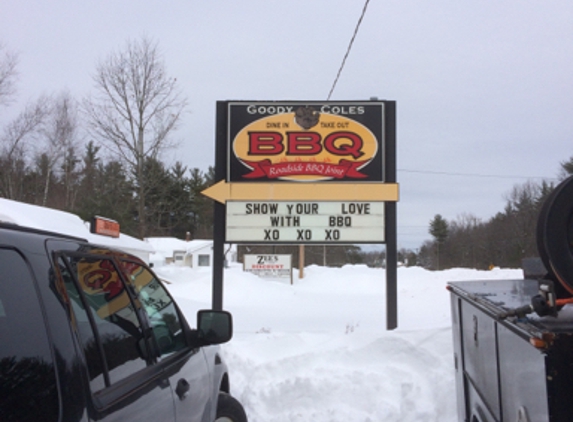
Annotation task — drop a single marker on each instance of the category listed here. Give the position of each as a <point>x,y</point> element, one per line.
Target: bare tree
<point>8,74</point>
<point>60,134</point>
<point>523,209</point>
<point>14,145</point>
<point>135,109</point>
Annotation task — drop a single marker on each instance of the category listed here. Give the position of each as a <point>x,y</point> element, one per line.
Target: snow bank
<point>318,350</point>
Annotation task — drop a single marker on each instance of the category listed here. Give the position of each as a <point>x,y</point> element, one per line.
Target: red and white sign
<point>305,141</point>
<point>269,266</point>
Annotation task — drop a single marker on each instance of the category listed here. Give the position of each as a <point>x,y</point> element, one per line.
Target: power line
<point>348,49</point>
<point>498,176</point>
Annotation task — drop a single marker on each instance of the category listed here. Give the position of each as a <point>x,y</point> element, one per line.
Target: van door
<point>124,379</point>
<point>183,363</point>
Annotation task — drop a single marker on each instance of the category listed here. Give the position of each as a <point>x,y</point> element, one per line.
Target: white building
<point>192,253</point>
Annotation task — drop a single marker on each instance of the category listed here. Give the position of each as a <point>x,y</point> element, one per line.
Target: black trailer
<point>513,339</point>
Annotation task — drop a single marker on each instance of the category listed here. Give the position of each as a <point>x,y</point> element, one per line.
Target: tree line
<point>504,240</point>
<point>101,155</point>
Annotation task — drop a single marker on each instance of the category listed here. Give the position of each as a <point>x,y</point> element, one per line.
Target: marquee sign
<point>305,222</point>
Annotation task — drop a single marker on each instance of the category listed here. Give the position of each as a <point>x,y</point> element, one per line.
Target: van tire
<point>229,409</point>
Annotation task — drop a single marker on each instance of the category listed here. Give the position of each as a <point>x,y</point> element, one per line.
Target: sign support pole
<point>301,261</point>
<point>391,221</point>
<point>391,268</point>
<point>219,219</point>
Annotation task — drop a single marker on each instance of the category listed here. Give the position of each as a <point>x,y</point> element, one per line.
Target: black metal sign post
<point>219,220</point>
<point>391,221</point>
<point>306,173</point>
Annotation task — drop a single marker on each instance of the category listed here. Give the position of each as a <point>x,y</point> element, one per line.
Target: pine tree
<point>567,168</point>
<point>439,229</point>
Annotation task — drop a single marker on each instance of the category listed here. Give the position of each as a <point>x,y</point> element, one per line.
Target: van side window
<point>108,325</point>
<point>28,388</point>
<point>86,333</point>
<point>159,307</point>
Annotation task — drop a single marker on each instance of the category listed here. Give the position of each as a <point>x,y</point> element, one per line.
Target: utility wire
<point>348,49</point>
<point>497,176</point>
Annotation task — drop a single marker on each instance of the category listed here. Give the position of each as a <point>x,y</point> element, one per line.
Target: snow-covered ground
<point>319,351</point>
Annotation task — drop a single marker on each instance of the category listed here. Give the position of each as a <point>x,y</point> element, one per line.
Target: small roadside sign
<point>269,266</point>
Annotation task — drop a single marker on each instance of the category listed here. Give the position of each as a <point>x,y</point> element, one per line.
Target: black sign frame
<point>225,128</point>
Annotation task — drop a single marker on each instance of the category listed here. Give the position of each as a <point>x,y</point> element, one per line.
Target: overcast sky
<point>484,88</point>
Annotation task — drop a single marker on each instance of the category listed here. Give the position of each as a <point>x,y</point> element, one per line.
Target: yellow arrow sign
<point>223,191</point>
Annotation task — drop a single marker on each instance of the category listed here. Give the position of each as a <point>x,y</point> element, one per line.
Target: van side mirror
<point>214,327</point>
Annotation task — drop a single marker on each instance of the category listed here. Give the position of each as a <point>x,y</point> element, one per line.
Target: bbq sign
<point>305,142</point>
<point>305,172</point>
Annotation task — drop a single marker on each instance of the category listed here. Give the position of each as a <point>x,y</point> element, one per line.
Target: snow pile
<point>318,350</point>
